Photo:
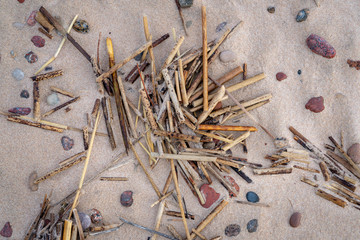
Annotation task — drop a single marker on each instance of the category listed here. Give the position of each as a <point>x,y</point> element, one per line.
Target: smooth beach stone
<point>281,76</point>
<point>24,94</point>
<point>21,1</point>
<point>227,56</point>
<point>67,143</point>
<point>188,24</point>
<point>271,9</point>
<point>31,19</point>
<point>31,57</point>
<point>53,99</point>
<point>232,230</point>
<point>186,3</point>
<point>96,216</point>
<point>85,220</point>
<point>232,183</point>
<point>315,104</point>
<point>354,152</point>
<point>252,225</point>
<point>138,57</point>
<point>81,26</point>
<point>20,110</point>
<point>252,197</point>
<point>6,231</point>
<point>38,41</point>
<point>221,26</point>
<point>48,68</point>
<point>18,25</point>
<point>209,194</point>
<point>126,198</point>
<point>295,219</point>
<point>320,46</point>
<point>302,15</point>
<point>18,74</point>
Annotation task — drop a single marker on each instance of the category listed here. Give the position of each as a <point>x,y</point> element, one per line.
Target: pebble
<point>320,46</point>
<point>232,230</point>
<point>53,99</point>
<point>227,56</point>
<point>210,195</point>
<point>302,15</point>
<point>31,57</point>
<point>280,76</point>
<point>31,19</point>
<point>12,54</point>
<point>218,106</point>
<point>126,198</point>
<point>20,110</point>
<point>67,143</point>
<point>24,94</point>
<point>48,68</point>
<point>355,64</point>
<point>220,27</point>
<point>21,1</point>
<point>209,145</point>
<point>6,231</point>
<point>271,9</point>
<point>18,74</point>
<point>85,220</point>
<point>299,72</point>
<point>186,3</point>
<point>138,57</point>
<point>295,219</point>
<point>315,104</point>
<point>81,26</point>
<point>252,197</point>
<point>96,216</point>
<point>188,24</point>
<point>18,25</point>
<point>354,152</point>
<point>233,184</point>
<point>38,41</point>
<point>252,225</point>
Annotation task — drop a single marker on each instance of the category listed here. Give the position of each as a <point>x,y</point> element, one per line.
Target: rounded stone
<point>67,143</point>
<point>227,56</point>
<point>31,19</point>
<point>18,74</point>
<point>252,197</point>
<point>252,225</point>
<point>320,46</point>
<point>81,26</point>
<point>53,99</point>
<point>299,72</point>
<point>232,230</point>
<point>6,231</point>
<point>302,15</point>
<point>20,110</point>
<point>315,104</point>
<point>85,220</point>
<point>186,3</point>
<point>96,216</point>
<point>210,195</point>
<point>21,1</point>
<point>38,41</point>
<point>126,198</point>
<point>281,76</point>
<point>31,57</point>
<point>271,9</point>
<point>209,145</point>
<point>295,219</point>
<point>354,152</point>
<point>24,94</point>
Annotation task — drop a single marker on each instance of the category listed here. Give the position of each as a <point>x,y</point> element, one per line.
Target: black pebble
<point>24,94</point>
<point>299,71</point>
<point>48,68</point>
<point>138,57</point>
<point>271,9</point>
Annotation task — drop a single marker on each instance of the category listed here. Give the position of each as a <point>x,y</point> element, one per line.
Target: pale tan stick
<point>136,111</point>
<point>88,154</point>
<point>189,170</point>
<point>280,162</point>
<point>217,98</point>
<point>227,128</point>
<point>189,115</point>
<point>228,163</point>
<point>36,97</point>
<point>173,53</point>
<point>108,124</point>
<point>184,157</point>
<point>200,150</point>
<point>325,171</point>
<point>182,84</point>
<point>221,179</point>
<point>177,85</point>
<point>63,92</point>
<point>48,75</point>
<point>236,114</point>
<point>205,66</point>
<point>175,135</point>
<point>211,135</point>
<point>253,204</point>
<point>74,232</point>
<point>206,174</point>
<point>308,181</point>
<point>70,159</point>
<point>114,179</point>
<point>270,171</point>
<point>148,110</point>
<point>111,115</point>
<point>35,124</point>
<point>78,223</point>
<point>236,141</point>
<point>173,231</point>
<point>198,234</point>
<point>60,107</point>
<point>170,117</point>
<point>86,137</point>
<point>307,169</point>
<point>344,190</point>
<point>158,219</point>
<point>167,183</point>
<point>67,229</point>
<point>162,198</point>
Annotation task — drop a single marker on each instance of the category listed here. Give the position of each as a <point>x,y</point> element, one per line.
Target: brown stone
<point>354,152</point>
<point>315,104</point>
<point>281,76</point>
<point>209,194</point>
<point>295,219</point>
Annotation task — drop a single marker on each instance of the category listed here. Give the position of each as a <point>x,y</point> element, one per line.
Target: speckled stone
<point>38,41</point>
<point>85,220</point>
<point>53,99</point>
<point>252,197</point>
<point>252,225</point>
<point>20,110</point>
<point>281,76</point>
<point>186,3</point>
<point>320,46</point>
<point>126,198</point>
<point>18,74</point>
<point>31,57</point>
<point>96,216</point>
<point>227,56</point>
<point>295,219</point>
<point>210,195</point>
<point>24,94</point>
<point>6,231</point>
<point>302,15</point>
<point>31,19</point>
<point>232,230</point>
<point>271,9</point>
<point>67,143</point>
<point>315,104</point>
<point>354,152</point>
<point>81,26</point>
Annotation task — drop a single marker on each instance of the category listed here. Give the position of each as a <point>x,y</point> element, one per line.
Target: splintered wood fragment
<point>217,98</point>
<point>108,124</point>
<point>253,204</point>
<point>178,214</point>
<point>173,231</point>
<point>272,171</point>
<point>48,75</point>
<point>228,163</point>
<point>238,140</point>
<point>245,71</point>
<point>177,136</point>
<point>342,161</point>
<point>306,169</point>
<point>114,179</point>
<point>184,96</point>
<point>44,22</point>
<point>111,115</point>
<point>173,96</point>
<point>173,53</point>
<point>63,92</point>
<point>162,198</point>
<point>45,33</point>
<point>331,198</point>
<point>36,98</point>
<point>198,234</point>
<point>297,156</point>
<point>60,107</point>
<point>35,124</point>
<point>211,135</point>
<point>177,86</point>
<point>148,110</point>
<point>74,232</point>
<point>350,180</point>
<point>344,190</point>
<point>95,108</point>
<point>343,182</point>
<point>184,157</point>
<point>210,217</point>
<point>310,182</point>
<point>189,115</point>
<point>324,171</point>
<point>86,137</point>
<point>170,117</point>
<point>70,159</point>
<point>227,128</point>
<point>280,162</point>
<point>78,223</point>
<point>205,66</point>
<point>331,148</point>
<point>226,184</point>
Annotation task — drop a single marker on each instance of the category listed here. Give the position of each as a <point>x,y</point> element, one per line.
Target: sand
<point>268,43</point>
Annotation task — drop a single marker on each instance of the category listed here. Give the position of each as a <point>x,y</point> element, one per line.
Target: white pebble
<point>227,56</point>
<point>53,99</point>
<point>18,74</point>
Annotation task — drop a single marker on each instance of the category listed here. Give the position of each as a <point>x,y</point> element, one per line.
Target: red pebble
<point>21,1</point>
<point>209,194</point>
<point>233,183</point>
<point>281,76</point>
<point>320,46</point>
<point>20,110</point>
<point>38,41</point>
<point>315,104</point>
<point>31,19</point>
<point>6,231</point>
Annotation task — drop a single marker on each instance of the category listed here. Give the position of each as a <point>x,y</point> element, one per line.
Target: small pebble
<point>21,1</point>
<point>210,195</point>
<point>299,72</point>
<point>227,56</point>
<point>280,76</point>
<point>31,19</point>
<point>67,143</point>
<point>68,109</point>
<point>218,106</point>
<point>271,9</point>
<point>96,216</point>
<point>18,25</point>
<point>138,57</point>
<point>320,46</point>
<point>18,74</point>
<point>53,99</point>
<point>20,111</point>
<point>355,64</point>
<point>232,230</point>
<point>315,104</point>
<point>24,94</point>
<point>85,220</point>
<point>81,26</point>
<point>233,184</point>
<point>295,219</point>
<point>220,27</point>
<point>252,225</point>
<point>48,68</point>
<point>12,54</point>
<point>354,152</point>
<point>252,197</point>
<point>126,198</point>
<point>302,15</point>
<point>31,57</point>
<point>38,41</point>
<point>188,24</point>
<point>209,145</point>
<point>6,231</point>
<point>186,3</point>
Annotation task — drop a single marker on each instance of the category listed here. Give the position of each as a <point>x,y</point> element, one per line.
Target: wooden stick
<point>253,204</point>
<point>226,184</point>
<point>178,214</point>
<point>36,97</point>
<point>162,198</point>
<point>177,136</point>
<point>173,53</point>
<point>227,128</point>
<point>343,182</point>
<point>45,33</point>
<point>181,16</point>
<point>78,223</point>
<point>271,171</point>
<point>229,163</point>
<point>173,231</point>
<point>342,161</point>
<point>210,217</point>
<point>158,219</point>
<point>214,136</point>
<point>206,174</point>
<point>60,107</point>
<point>236,141</point>
<point>108,124</point>
<point>148,110</point>
<point>67,229</point>
<point>200,150</point>
<point>344,190</point>
<point>48,75</point>
<point>198,234</point>
<point>35,124</point>
<point>189,115</point>
<point>324,171</point>
<point>63,92</point>
<point>170,117</point>
<point>184,157</point>
<point>167,183</point>
<point>114,179</point>
<point>308,181</point>
<point>70,159</point>
<point>74,232</point>
<point>217,98</point>
<point>205,66</point>
<point>331,198</point>
<point>86,137</point>
<point>306,169</point>
<point>184,96</point>
<point>44,22</point>
<point>177,85</point>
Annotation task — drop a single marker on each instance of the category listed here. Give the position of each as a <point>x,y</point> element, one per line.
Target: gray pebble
<point>209,145</point>
<point>53,99</point>
<point>221,26</point>
<point>24,94</point>
<point>232,230</point>
<point>18,25</point>
<point>252,225</point>
<point>302,15</point>
<point>186,3</point>
<point>227,56</point>
<point>18,74</point>
<point>85,220</point>
<point>188,24</point>
<point>354,152</point>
